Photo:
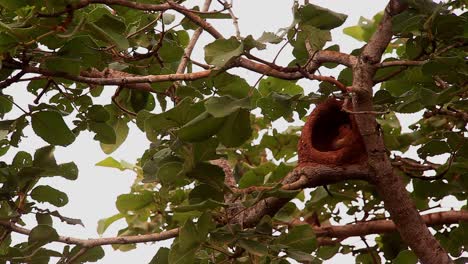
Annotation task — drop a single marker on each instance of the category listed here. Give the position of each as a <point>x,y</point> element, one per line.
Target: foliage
<point>196,120</point>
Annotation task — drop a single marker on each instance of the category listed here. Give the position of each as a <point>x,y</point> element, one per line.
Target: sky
<point>92,196</point>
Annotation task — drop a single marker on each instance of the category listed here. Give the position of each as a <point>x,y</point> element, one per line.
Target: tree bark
<point>390,187</point>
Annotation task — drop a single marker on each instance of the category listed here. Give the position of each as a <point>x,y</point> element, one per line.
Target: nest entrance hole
<point>326,130</point>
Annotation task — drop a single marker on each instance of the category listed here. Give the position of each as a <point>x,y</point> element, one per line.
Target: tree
<point>218,177</point>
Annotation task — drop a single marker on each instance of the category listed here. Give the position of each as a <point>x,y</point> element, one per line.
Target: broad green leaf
<point>270,37</point>
<point>254,247</point>
<point>92,255</point>
<point>43,234</point>
<point>272,84</point>
<point>5,104</point>
<point>67,170</point>
<point>113,163</point>
<point>204,192</point>
<point>104,132</point>
<point>178,255</point>
<point>61,64</point>
<point>365,28</point>
<point>49,125</point>
<point>224,106</point>
<point>98,113</point>
<point>208,173</point>
<point>299,238</point>
<point>134,201</point>
<point>202,206</point>
<point>103,224</point>
<point>320,17</point>
<point>231,85</point>
<point>236,129</point>
<point>221,51</point>
<point>200,128</point>
<point>109,29</point>
<point>433,148</point>
<point>121,131</point>
<point>13,4</point>
<point>301,256</point>
<point>44,193</point>
<point>406,257</point>
<point>162,257</point>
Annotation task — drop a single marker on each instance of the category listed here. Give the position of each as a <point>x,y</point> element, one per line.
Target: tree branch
<point>385,226</point>
<point>389,185</point>
<point>400,63</point>
<point>302,177</point>
<point>327,235</point>
<point>164,235</point>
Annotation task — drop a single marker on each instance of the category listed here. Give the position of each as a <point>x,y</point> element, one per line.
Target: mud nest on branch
<point>331,137</point>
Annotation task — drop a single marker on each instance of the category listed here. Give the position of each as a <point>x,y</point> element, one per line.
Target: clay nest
<point>331,137</point>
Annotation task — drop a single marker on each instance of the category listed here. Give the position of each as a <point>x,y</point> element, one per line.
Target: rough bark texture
<point>300,178</point>
<point>390,187</point>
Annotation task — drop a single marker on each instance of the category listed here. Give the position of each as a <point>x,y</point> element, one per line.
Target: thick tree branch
<point>386,226</point>
<point>389,185</point>
<point>114,77</point>
<point>300,178</point>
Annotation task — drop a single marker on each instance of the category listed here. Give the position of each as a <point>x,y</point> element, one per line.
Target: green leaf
<point>204,192</point>
<point>44,193</point>
<point>221,51</point>
<point>208,173</point>
<point>276,105</point>
<point>231,85</point>
<point>320,17</point>
<point>169,172</point>
<point>162,257</point>
<point>299,238</point>
<point>67,170</point>
<point>224,106</point>
<point>365,28</point>
<point>5,104</point>
<point>43,234</point>
<point>110,29</point>
<point>269,37</point>
<point>92,255</point>
<point>236,129</point>
<point>133,201</point>
<point>44,157</point>
<point>433,148</point>
<point>44,219</point>
<point>121,131</point>
<point>254,247</point>
<point>104,133</point>
<point>103,224</point>
<point>113,163</point>
<point>13,4</point>
<point>250,43</point>
<point>49,125</point>
<point>98,113</point>
<point>200,128</point>
<point>272,84</point>
<point>202,206</point>
<point>179,255</point>
<point>300,256</point>
<point>61,64</point>
<point>406,257</point>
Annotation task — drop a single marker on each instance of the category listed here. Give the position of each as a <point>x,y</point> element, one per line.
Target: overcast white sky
<point>93,195</point>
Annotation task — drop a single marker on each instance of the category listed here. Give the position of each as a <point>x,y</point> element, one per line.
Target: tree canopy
<point>218,177</point>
